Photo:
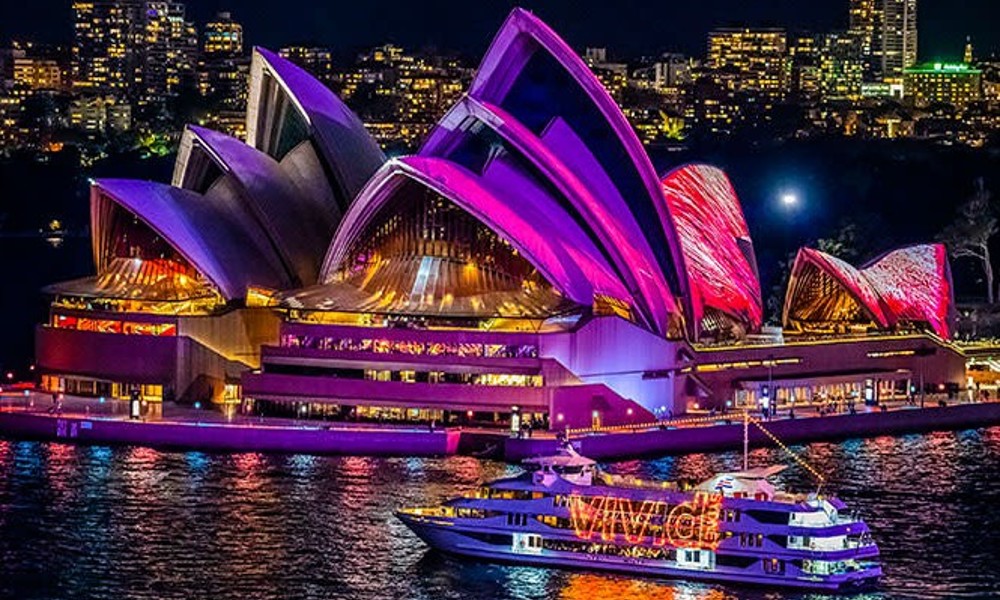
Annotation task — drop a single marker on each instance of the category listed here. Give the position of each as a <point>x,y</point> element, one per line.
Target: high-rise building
<point>887,35</point>
<point>897,46</point>
<point>749,60</point>
<point>863,23</point>
<point>223,37</point>
<point>131,47</point>
<point>842,66</point>
<point>169,49</point>
<point>106,43</point>
<point>223,70</point>
<point>805,58</point>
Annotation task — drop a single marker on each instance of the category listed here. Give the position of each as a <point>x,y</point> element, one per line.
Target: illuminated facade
<point>100,114</point>
<point>169,49</point>
<point>863,24</point>
<point>107,34</point>
<point>750,60</point>
<point>526,260</point>
<point>725,300</point>
<point>38,73</point>
<point>223,73</point>
<point>902,289</point>
<point>184,271</point>
<point>943,83</point>
<point>895,48</point>
<point>403,95</point>
<point>842,67</point>
<point>132,47</point>
<point>887,33</point>
<point>222,37</point>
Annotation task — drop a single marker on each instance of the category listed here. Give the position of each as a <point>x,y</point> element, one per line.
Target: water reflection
<point>580,586</point>
<point>138,523</point>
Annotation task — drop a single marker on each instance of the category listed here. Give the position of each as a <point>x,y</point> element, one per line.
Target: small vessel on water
<point>734,527</point>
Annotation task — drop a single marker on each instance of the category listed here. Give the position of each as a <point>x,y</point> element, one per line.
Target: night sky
<point>630,27</point>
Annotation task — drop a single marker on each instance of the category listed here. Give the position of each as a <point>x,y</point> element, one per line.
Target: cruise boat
<point>563,511</point>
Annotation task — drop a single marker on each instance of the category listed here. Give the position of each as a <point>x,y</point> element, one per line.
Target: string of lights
<point>798,459</point>
<point>649,425</point>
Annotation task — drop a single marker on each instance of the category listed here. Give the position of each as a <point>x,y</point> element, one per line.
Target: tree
<point>843,244</point>
<point>970,234</point>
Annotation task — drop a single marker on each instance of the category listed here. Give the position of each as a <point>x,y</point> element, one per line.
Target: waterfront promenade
<point>89,421</point>
<point>93,422</point>
<point>725,432</point>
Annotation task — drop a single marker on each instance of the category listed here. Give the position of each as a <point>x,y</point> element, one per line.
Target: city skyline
<point>346,29</point>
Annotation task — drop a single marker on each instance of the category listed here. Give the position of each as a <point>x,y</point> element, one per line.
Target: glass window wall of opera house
<point>528,260</point>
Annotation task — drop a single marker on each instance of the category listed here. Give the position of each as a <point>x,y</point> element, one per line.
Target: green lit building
<point>957,84</point>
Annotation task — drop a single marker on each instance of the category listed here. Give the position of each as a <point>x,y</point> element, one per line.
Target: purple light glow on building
<point>527,256</point>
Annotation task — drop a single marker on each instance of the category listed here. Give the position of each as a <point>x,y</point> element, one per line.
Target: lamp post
<point>770,398</point>
<point>515,421</point>
<point>134,404</point>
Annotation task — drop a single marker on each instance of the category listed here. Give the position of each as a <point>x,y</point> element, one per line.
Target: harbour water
<point>98,522</point>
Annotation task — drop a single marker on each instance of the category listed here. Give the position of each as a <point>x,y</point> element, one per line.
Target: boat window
<point>774,566</point>
<point>771,517</point>
<point>517,520</point>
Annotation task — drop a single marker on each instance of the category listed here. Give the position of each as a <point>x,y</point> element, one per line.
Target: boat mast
<point>746,440</point>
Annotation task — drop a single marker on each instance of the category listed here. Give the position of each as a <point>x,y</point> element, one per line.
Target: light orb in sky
<point>789,200</point>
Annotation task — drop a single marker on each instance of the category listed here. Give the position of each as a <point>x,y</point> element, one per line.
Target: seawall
<point>659,442</point>
<point>230,438</point>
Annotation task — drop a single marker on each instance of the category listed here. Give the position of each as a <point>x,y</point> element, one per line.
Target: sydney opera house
<point>527,259</point>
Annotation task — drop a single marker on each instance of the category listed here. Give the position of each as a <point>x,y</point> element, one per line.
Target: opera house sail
<point>527,260</point>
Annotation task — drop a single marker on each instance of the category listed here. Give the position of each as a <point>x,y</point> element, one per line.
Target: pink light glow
<point>911,284</point>
<point>915,285</point>
<point>607,216</point>
<point>520,37</point>
<point>711,229</point>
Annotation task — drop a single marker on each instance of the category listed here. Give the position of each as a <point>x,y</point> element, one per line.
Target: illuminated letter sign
<point>692,524</point>
<point>695,524</point>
